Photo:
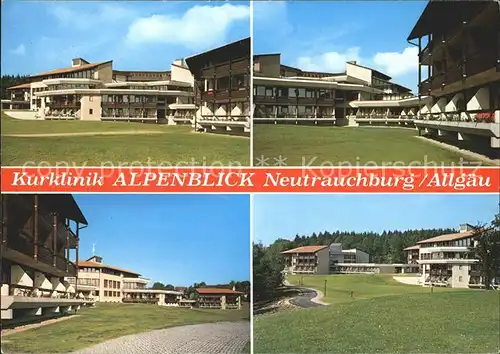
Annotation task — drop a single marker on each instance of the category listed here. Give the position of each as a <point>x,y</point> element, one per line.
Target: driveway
<point>224,337</point>
<point>304,298</point>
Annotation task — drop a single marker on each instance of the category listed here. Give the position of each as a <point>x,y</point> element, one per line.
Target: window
<point>91,111</point>
<point>91,98</point>
<point>460,278</point>
<point>105,284</point>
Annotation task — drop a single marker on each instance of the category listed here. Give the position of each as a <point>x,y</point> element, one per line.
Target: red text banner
<point>248,180</point>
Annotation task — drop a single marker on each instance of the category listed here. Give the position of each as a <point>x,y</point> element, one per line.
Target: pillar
<point>223,302</point>
<point>76,261</point>
<point>54,239</point>
<point>4,222</point>
<point>35,227</point>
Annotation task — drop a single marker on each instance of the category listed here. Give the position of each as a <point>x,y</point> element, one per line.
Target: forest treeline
<point>385,247</point>
<point>11,80</point>
<point>189,292</point>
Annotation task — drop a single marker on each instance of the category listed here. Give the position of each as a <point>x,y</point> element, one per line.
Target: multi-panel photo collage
<point>250,177</point>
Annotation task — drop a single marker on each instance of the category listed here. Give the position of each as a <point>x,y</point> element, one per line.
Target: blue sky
<point>284,216</point>
<point>322,35</point>
<point>41,36</point>
<point>175,239</point>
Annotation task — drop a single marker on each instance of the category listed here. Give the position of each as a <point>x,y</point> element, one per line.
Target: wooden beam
<point>35,227</point>
<point>67,248</point>
<point>76,262</point>
<point>54,239</point>
<point>4,222</point>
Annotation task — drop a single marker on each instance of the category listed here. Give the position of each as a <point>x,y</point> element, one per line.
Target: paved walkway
<point>224,337</point>
<point>306,297</point>
<point>49,135</point>
<point>408,280</point>
<point>21,114</point>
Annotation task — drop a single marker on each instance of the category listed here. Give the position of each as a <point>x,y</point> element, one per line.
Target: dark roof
<point>440,14</point>
<point>238,49</point>
<point>72,69</point>
<point>401,87</point>
<point>266,55</point>
<point>217,291</point>
<point>21,86</point>
<point>283,66</point>
<point>91,264</point>
<point>64,204</point>
<point>142,71</point>
<point>320,74</point>
<point>305,249</point>
<point>447,237</point>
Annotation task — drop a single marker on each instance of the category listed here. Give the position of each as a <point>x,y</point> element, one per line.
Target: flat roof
<point>104,266</point>
<point>440,14</point>
<point>305,249</point>
<point>72,69</point>
<point>447,237</point>
<point>27,85</point>
<point>217,291</point>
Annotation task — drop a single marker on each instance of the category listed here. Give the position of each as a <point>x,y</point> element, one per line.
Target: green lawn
<point>348,146</point>
<point>339,287</point>
<point>172,146</point>
<point>384,317</point>
<point>108,321</point>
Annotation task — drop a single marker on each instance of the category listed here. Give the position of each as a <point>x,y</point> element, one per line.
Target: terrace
<point>36,244</point>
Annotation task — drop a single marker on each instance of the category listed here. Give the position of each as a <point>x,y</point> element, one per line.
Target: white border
<point>251,86</point>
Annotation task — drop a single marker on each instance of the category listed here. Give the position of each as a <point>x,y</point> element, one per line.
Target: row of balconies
<point>222,95</point>
<point>285,100</point>
<point>238,66</point>
<point>475,65</point>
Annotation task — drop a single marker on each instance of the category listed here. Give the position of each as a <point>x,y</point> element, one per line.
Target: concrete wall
<point>182,74</point>
<point>88,103</point>
<point>460,276</point>
<point>268,65</point>
<point>359,72</point>
<point>362,257</point>
<point>104,73</point>
<point>323,261</point>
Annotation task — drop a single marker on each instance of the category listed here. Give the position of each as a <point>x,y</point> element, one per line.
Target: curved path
<point>305,298</point>
<point>223,337</point>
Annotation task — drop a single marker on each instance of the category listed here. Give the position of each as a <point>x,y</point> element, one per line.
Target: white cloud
<point>199,27</point>
<point>89,17</point>
<point>397,63</point>
<point>328,62</point>
<point>19,50</point>
<point>271,23</point>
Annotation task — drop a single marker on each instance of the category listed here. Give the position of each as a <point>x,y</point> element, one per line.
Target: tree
<point>267,271</point>
<point>11,80</point>
<point>158,286</point>
<point>169,287</point>
<point>486,249</point>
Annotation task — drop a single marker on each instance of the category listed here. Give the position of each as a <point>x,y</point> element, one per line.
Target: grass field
<point>334,146</point>
<point>164,146</point>
<point>384,317</point>
<point>339,287</point>
<point>108,321</point>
